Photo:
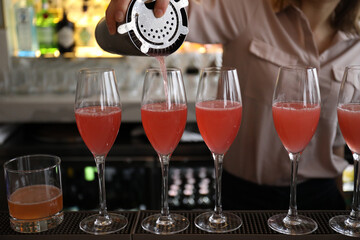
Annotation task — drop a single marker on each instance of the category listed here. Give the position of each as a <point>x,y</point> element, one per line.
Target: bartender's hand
<point>117,9</point>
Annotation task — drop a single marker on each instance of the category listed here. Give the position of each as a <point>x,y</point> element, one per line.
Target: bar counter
<point>254,227</point>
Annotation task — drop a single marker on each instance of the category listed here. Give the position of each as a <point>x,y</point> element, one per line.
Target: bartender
<point>258,37</point>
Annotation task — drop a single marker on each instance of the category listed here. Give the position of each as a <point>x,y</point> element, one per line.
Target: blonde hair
<point>346,16</point>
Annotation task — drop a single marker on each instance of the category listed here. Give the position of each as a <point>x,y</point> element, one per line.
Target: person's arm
<point>116,11</point>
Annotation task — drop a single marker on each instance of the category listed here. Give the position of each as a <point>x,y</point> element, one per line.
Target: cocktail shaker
<point>143,34</point>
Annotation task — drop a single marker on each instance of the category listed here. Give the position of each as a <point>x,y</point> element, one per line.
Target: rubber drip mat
<point>69,228</point>
<point>254,227</point>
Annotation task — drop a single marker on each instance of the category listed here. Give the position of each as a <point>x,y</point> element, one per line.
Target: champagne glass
<point>163,115</point>
<point>218,115</point>
<point>348,111</point>
<point>98,118</point>
<point>296,113</point>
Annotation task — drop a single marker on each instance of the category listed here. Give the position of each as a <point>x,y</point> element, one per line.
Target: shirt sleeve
<point>218,21</point>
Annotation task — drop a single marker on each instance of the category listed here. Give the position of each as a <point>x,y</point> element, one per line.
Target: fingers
<point>160,7</point>
<point>115,12</point>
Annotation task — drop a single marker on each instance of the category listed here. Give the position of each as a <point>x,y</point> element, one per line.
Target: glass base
<point>226,222</point>
<point>300,226</point>
<point>99,225</point>
<point>36,225</point>
<point>344,225</point>
<point>159,225</point>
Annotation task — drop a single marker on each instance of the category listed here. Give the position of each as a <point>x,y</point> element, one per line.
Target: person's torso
<point>266,41</point>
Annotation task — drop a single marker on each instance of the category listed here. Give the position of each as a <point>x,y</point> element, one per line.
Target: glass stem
<point>292,212</point>
<point>355,208</point>
<point>164,161</point>
<point>103,215</point>
<point>218,163</point>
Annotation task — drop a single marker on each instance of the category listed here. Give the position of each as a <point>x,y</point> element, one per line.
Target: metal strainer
<point>156,36</point>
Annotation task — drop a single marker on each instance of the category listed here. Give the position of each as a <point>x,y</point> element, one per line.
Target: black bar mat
<point>68,229</point>
<point>254,227</point>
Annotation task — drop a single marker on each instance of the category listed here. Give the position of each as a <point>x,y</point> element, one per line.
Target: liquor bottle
<point>83,33</point>
<point>54,7</point>
<point>25,29</point>
<point>46,33</point>
<point>65,33</point>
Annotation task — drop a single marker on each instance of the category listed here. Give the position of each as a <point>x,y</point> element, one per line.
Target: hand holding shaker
<point>143,34</point>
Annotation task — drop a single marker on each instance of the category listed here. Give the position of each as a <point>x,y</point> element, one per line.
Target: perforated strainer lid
<point>156,36</point>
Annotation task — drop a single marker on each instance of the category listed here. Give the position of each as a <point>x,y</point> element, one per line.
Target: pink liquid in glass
<point>218,122</point>
<point>163,126</point>
<point>98,127</point>
<point>349,122</point>
<point>295,123</point>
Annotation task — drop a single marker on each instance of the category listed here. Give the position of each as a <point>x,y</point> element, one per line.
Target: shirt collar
<point>342,36</point>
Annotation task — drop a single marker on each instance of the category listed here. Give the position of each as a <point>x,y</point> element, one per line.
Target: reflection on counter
<point>191,188</point>
<point>133,187</point>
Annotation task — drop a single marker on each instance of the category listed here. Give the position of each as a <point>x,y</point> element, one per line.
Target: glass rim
<point>297,67</point>
<point>218,69</point>
<point>168,69</point>
<point>96,70</point>
<point>54,165</point>
<point>352,67</point>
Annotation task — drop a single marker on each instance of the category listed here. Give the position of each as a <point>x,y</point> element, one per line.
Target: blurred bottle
<point>96,11</point>
<point>46,32</point>
<point>55,8</point>
<point>25,29</point>
<point>65,32</point>
<point>84,32</point>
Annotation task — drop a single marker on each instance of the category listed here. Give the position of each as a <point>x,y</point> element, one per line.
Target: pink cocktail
<point>296,113</point>
<point>163,116</point>
<point>349,122</point>
<point>98,127</point>
<point>348,112</point>
<point>218,122</point>
<point>163,126</point>
<point>295,123</point>
<point>218,115</point>
<point>98,118</point>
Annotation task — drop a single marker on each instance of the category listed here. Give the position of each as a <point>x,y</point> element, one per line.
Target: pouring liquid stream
<point>161,60</point>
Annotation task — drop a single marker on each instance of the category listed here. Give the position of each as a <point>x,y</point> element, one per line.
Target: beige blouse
<point>257,41</point>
